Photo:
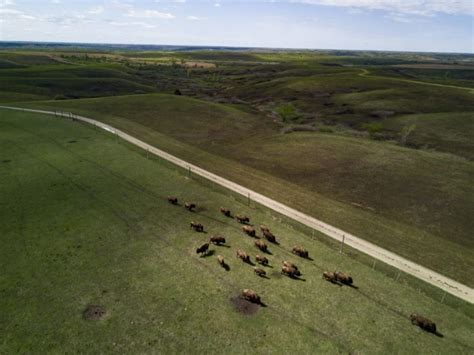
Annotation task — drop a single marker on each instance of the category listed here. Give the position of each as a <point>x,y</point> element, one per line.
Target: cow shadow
<point>267,265</point>
<point>223,245</point>
<point>298,278</point>
<point>351,286</point>
<point>226,267</point>
<point>208,254</point>
<point>438,334</point>
<point>249,262</point>
<point>264,277</point>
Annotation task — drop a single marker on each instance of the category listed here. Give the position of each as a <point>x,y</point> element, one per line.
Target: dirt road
<point>453,287</point>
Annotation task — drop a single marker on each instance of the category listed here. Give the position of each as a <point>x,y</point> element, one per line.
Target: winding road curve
<point>451,286</point>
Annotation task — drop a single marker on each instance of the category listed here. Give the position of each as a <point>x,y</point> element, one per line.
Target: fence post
<point>398,276</point>
<point>189,171</point>
<point>342,243</point>
<point>248,199</point>
<point>442,298</point>
<point>373,265</point>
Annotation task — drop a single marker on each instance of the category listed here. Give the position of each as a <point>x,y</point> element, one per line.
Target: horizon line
<point>229,47</point>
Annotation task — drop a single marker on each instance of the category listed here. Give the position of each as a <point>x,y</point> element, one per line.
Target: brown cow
<point>250,295</point>
<point>202,249</point>
<point>290,265</point>
<point>217,239</point>
<point>269,236</point>
<point>260,244</point>
<point>264,228</point>
<point>259,272</point>
<point>225,212</point>
<point>242,219</point>
<point>261,259</point>
<point>173,200</point>
<point>243,255</point>
<point>290,271</point>
<point>343,278</point>
<point>249,231</point>
<point>220,260</point>
<point>329,276</point>
<point>300,251</point>
<point>423,323</point>
<point>198,227</point>
<point>190,206</point>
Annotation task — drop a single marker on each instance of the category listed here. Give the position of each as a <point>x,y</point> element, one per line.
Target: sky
<point>401,25</point>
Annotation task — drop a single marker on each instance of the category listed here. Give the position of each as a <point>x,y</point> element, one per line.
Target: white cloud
<point>408,7</point>
<point>56,1</point>
<point>96,10</point>
<point>4,3</point>
<point>16,14</point>
<point>27,17</point>
<point>133,23</point>
<point>217,4</point>
<point>150,14</point>
<point>193,18</point>
<point>10,12</point>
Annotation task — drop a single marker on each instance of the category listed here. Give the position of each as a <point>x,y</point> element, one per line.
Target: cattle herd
<point>287,268</point>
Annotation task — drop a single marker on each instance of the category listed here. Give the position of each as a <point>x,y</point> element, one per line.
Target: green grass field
<point>369,188</point>
<point>85,222</point>
<point>375,143</point>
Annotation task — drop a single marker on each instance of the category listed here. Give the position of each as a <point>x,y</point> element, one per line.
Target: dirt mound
<point>94,312</point>
<point>243,306</point>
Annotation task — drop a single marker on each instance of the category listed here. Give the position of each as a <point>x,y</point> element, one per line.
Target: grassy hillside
<point>70,82</point>
<point>371,189</point>
<point>85,222</point>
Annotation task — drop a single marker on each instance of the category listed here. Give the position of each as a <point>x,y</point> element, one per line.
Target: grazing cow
<point>250,295</point>
<point>344,278</point>
<point>290,272</point>
<point>300,251</point>
<point>243,255</point>
<point>269,236</point>
<point>290,265</point>
<point>203,249</point>
<point>329,276</point>
<point>220,260</point>
<point>259,272</point>
<point>173,200</point>
<point>216,239</point>
<point>423,323</point>
<point>249,231</point>
<point>190,206</point>
<point>264,228</point>
<point>260,244</point>
<point>242,219</point>
<point>198,227</point>
<point>261,259</point>
<point>225,211</point>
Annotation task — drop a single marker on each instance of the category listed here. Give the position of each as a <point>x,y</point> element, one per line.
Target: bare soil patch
<point>243,306</point>
<point>94,312</point>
